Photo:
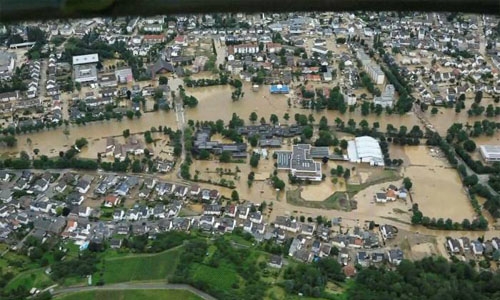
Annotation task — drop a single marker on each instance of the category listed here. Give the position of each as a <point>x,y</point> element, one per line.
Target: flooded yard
<point>51,141</point>
<point>436,186</point>
<point>215,103</point>
<point>321,191</point>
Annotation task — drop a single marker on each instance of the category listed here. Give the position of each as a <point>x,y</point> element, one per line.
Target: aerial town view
<point>251,156</point>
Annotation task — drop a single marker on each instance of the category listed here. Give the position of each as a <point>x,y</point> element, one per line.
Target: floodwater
<point>322,190</point>
<point>215,103</point>
<point>51,141</point>
<point>436,186</point>
<point>261,190</point>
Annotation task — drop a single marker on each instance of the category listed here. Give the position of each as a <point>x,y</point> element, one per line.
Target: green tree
<point>253,117</point>
<point>286,116</point>
<point>478,97</point>
<point>308,132</point>
<point>225,156</point>
<point>80,143</point>
<point>274,119</point>
<point>163,80</point>
<point>136,166</point>
<point>235,196</point>
<point>126,133</point>
<point>254,160</point>
<point>204,154</point>
<point>323,123</point>
<point>434,110</point>
<point>130,114</point>
<point>407,183</point>
<point>469,145</point>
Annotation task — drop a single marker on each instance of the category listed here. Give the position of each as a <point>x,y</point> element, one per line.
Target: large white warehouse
<point>365,149</point>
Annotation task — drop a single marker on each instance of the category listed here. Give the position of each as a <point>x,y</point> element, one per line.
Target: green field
<point>29,279</point>
<point>141,267</point>
<point>333,202</point>
<point>131,295</point>
<point>222,277</point>
<point>385,176</point>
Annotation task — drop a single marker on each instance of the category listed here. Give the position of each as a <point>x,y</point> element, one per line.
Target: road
<point>42,83</point>
<point>181,123</point>
<point>221,51</point>
<point>136,286</point>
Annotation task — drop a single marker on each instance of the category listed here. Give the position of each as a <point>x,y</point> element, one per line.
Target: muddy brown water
<point>50,142</point>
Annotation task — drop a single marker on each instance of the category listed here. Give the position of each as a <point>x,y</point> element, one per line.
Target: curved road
<point>135,286</point>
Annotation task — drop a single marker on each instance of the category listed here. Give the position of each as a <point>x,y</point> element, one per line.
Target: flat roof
<point>283,159</point>
<point>490,151</point>
<point>320,152</point>
<point>85,59</point>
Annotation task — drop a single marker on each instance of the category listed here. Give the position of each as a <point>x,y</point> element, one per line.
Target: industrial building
<point>490,153</point>
<point>365,149</point>
<point>300,162</point>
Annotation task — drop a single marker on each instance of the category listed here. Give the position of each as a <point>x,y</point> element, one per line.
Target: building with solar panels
<point>300,162</point>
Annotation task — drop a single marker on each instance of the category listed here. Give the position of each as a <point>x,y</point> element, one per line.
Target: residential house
<point>195,190</point>
<point>82,186</point>
<point>275,261</point>
<point>395,256</point>
<point>122,229</point>
<point>243,211</point>
<point>122,189</point>
<point>477,247</point>
<point>181,191</point>
<point>207,219</point>
<point>75,198</point>
<point>286,223</point>
<point>307,229</point>
<point>84,211</point>
<point>111,201</point>
<point>453,245</point>
<point>464,244</point>
<point>115,243</point>
<point>5,195</point>
<point>214,210</point>
<point>118,215</point>
<point>388,231</point>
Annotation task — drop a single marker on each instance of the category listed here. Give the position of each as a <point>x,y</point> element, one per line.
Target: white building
<point>490,153</point>
<point>85,67</point>
<point>386,99</point>
<point>372,69</point>
<point>365,149</point>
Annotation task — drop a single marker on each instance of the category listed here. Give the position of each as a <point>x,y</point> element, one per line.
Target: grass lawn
<point>238,240</point>
<point>141,267</point>
<point>131,295</point>
<point>222,277</point>
<point>332,202</point>
<point>29,279</point>
<point>385,176</point>
<point>211,250</point>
